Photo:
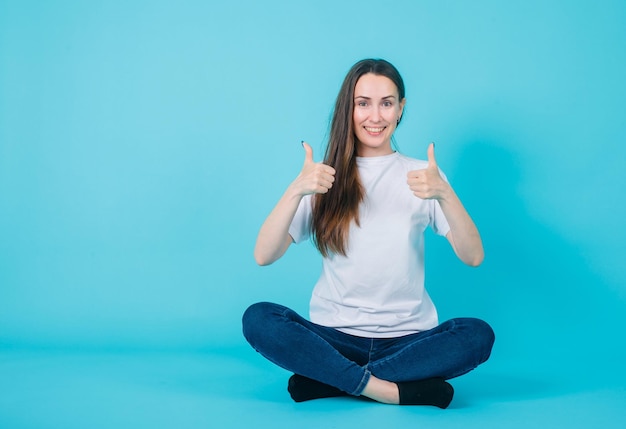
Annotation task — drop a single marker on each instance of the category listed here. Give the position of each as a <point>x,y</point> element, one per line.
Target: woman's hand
<point>315,177</point>
<point>463,235</point>
<point>274,239</point>
<point>427,183</point>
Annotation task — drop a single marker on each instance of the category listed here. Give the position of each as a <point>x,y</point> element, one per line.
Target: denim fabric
<point>346,361</point>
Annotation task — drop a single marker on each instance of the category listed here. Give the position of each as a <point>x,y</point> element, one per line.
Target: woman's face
<point>376,113</point>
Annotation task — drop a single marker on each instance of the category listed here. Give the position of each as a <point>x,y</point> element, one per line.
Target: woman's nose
<point>375,114</point>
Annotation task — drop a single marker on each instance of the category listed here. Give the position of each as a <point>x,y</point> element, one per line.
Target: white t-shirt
<point>377,290</point>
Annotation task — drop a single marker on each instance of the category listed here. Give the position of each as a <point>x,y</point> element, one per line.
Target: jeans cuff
<point>362,383</point>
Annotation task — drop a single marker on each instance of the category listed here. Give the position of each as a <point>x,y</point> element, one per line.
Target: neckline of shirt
<point>368,160</point>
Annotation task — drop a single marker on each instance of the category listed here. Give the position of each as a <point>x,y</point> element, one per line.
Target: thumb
<point>432,162</point>
<point>308,156</point>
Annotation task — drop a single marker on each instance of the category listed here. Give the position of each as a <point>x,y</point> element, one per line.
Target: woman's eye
<point>362,103</point>
<point>387,103</point>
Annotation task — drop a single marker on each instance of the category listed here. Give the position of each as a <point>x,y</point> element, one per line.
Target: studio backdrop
<point>143,143</point>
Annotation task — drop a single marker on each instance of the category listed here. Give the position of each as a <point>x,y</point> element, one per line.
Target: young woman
<point>373,329</point>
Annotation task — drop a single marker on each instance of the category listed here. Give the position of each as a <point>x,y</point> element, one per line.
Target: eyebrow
<point>369,98</point>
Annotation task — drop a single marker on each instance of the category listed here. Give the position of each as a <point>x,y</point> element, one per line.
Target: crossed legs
<point>404,370</point>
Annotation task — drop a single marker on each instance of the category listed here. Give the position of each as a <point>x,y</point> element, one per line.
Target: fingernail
<point>302,142</point>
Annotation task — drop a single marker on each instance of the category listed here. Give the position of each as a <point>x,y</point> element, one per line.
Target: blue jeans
<point>346,361</point>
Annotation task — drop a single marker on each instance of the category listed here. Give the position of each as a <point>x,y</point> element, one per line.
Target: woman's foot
<point>302,389</point>
<point>432,391</point>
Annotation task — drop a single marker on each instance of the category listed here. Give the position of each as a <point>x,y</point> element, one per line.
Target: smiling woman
<point>374,330</point>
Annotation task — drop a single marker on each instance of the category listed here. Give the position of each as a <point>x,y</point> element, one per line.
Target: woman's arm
<point>274,239</point>
<point>463,234</point>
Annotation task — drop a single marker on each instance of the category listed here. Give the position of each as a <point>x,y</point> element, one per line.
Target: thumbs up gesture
<point>428,183</point>
<point>315,177</point>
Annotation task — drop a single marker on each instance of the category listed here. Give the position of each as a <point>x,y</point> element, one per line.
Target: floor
<point>235,388</point>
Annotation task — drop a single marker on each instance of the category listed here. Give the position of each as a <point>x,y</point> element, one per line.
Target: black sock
<point>303,389</point>
<point>432,391</point>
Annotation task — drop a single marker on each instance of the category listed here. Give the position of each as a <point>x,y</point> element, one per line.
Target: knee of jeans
<point>254,320</point>
<point>485,337</point>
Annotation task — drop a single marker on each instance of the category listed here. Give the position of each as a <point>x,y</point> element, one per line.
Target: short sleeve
<point>300,228</point>
<point>438,221</point>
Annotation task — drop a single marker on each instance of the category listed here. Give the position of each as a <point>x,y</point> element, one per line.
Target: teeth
<point>374,130</point>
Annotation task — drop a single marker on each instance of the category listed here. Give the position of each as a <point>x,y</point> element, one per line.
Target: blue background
<point>142,144</point>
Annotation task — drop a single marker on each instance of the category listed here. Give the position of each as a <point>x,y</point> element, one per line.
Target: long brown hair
<point>334,211</point>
